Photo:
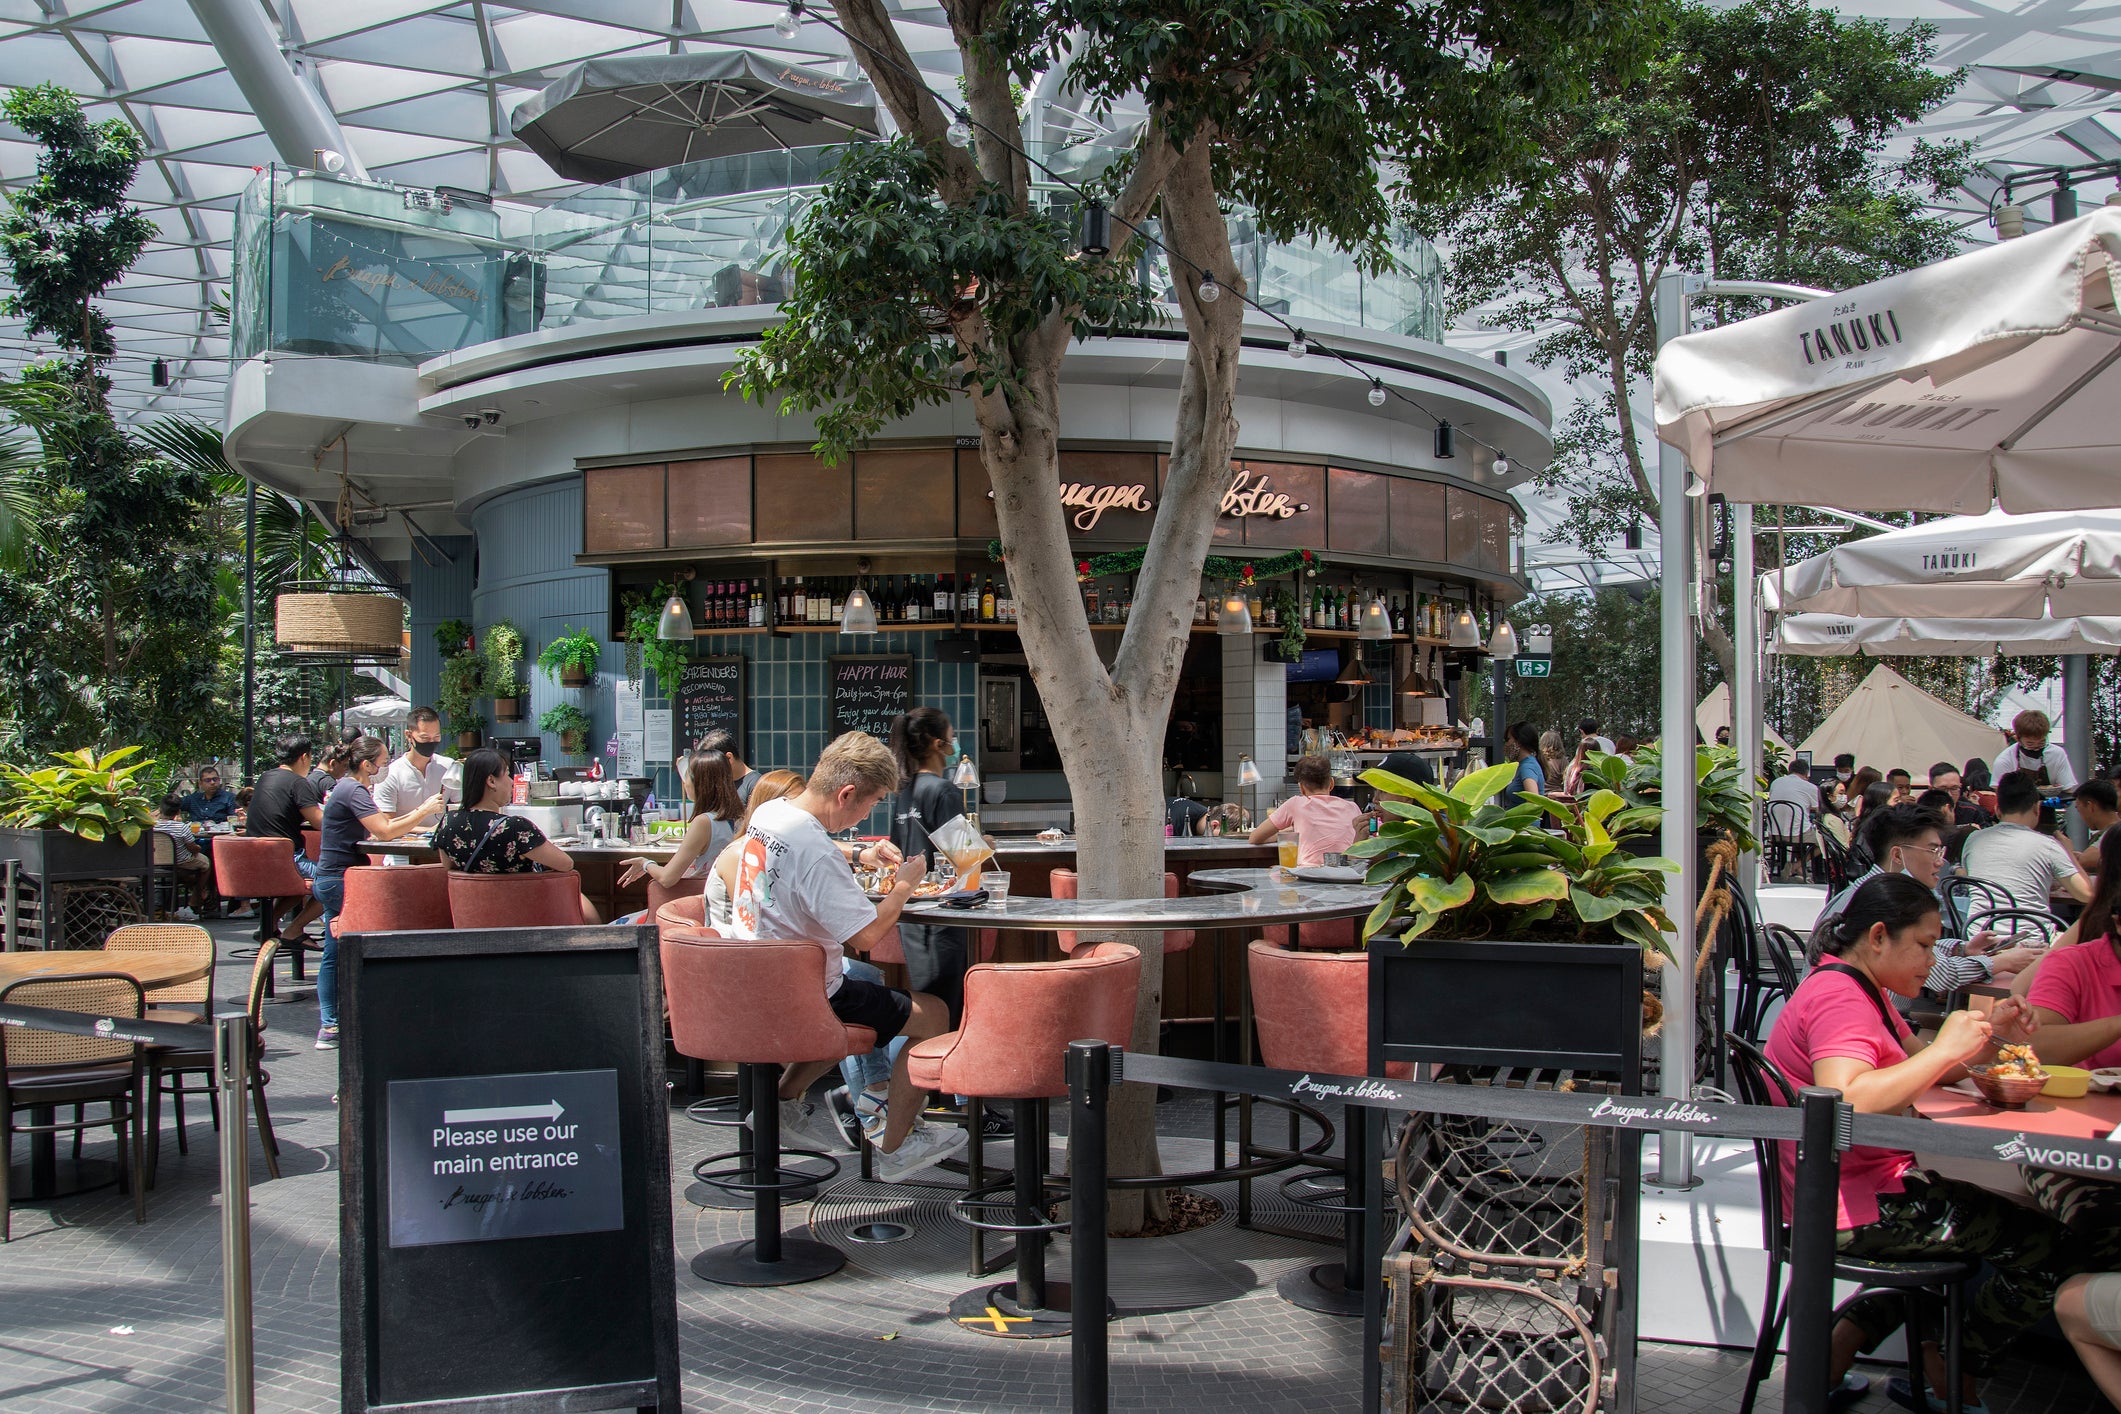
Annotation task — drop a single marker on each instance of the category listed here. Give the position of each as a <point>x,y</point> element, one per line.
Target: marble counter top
<point>1254,897</point>
<point>1188,846</point>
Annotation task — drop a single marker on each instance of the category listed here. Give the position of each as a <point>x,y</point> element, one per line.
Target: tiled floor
<point>99,1315</point>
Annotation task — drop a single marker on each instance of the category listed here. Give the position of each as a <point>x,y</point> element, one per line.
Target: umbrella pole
<point>1746,731</point>
<point>2077,711</point>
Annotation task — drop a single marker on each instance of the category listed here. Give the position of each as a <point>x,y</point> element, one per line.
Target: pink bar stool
<point>1019,1019</point>
<point>687,888</point>
<point>404,898</point>
<point>261,869</point>
<point>760,1003</point>
<point>552,900</point>
<point>1313,1014</point>
<point>1064,884</point>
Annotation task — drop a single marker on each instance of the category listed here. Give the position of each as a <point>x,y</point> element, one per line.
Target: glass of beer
<point>1286,844</point>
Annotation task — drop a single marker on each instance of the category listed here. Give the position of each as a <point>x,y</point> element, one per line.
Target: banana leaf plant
<point>92,797</point>
<point>1457,865</point>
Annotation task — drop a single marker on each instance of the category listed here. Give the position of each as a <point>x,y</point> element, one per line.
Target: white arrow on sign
<point>551,1109</point>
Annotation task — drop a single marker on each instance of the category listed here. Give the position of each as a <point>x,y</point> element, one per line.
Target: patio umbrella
<point>374,712</point>
<point>1992,566</point>
<point>613,118</point>
<point>1990,377</point>
<point>1836,636</point>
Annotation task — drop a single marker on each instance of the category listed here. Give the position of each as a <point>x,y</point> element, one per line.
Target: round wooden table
<point>150,970</point>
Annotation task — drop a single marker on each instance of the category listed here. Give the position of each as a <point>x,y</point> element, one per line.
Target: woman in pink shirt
<point>2075,994</point>
<point>1839,1031</point>
<point>1324,822</point>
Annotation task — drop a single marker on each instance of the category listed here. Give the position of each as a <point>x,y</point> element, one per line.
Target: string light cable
<point>1299,343</point>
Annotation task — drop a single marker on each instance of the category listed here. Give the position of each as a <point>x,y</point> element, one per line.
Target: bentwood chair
<point>166,1070</point>
<point>1787,836</point>
<point>1759,1083</point>
<point>41,1070</point>
<point>1963,895</point>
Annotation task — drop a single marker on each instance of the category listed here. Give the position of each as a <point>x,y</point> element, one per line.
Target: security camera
<point>471,420</point>
<point>490,415</point>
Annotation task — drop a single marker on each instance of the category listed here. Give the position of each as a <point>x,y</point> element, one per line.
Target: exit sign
<point>1535,667</point>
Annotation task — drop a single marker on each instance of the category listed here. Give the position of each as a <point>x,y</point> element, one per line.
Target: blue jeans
<point>329,886</point>
<point>870,1067</point>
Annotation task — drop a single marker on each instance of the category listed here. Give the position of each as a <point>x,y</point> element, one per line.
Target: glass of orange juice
<point>1286,844</point>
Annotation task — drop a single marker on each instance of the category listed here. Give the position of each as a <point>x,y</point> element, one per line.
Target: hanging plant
<point>1293,632</point>
<point>453,636</point>
<point>504,670</point>
<point>570,659</point>
<point>644,616</point>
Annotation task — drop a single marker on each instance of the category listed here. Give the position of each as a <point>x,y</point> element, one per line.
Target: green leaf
<point>1593,909</point>
<point>1434,895</point>
<point>1478,786</point>
<point>1528,886</point>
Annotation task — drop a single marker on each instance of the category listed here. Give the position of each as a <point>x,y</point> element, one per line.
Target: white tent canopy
<point>1888,721</point>
<point>375,712</point>
<point>1714,713</point>
<point>1993,566</point>
<point>1990,377</point>
<point>1836,636</point>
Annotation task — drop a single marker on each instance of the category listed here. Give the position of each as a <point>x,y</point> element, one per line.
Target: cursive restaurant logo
<point>1841,338</point>
<point>1335,1090</point>
<point>375,279</point>
<point>816,83</point>
<point>1246,495</point>
<point>1671,1112</point>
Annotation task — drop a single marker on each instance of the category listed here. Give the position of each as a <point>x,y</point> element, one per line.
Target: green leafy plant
<point>1457,865</point>
<point>451,635</point>
<point>90,796</point>
<point>1290,614</point>
<point>667,656</point>
<point>569,723</point>
<point>572,649</point>
<point>1722,801</point>
<point>459,687</point>
<point>504,660</point>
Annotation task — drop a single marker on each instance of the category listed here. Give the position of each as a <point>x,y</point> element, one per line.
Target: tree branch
<point>913,106</point>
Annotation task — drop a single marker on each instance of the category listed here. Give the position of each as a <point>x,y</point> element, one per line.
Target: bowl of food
<point>2066,1082</point>
<point>2014,1079</point>
<point>2106,1078</point>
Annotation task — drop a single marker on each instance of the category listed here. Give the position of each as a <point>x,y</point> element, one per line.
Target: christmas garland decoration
<point>1215,567</point>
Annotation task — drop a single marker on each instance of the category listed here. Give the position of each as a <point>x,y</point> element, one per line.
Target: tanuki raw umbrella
<point>613,118</point>
<point>1993,566</point>
<point>1836,636</point>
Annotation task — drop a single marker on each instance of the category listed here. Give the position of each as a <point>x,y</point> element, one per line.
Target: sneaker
<point>995,1125</point>
<point>841,1107</point>
<point>187,914</point>
<point>812,1123</point>
<point>869,1111</point>
<point>327,1038</point>
<point>924,1146</point>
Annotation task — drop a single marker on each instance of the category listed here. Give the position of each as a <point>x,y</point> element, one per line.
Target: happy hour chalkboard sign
<point>868,690</point>
<point>710,697</point>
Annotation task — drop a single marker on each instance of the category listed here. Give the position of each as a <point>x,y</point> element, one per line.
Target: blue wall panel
<point>439,591</point>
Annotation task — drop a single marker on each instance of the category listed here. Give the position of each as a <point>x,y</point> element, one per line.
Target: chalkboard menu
<point>711,697</point>
<point>505,1230</point>
<point>868,690</point>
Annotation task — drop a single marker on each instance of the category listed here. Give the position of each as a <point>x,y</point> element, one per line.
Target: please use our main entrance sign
<point>505,1236</point>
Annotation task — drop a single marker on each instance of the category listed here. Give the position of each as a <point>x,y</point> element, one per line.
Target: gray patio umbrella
<point>612,118</point>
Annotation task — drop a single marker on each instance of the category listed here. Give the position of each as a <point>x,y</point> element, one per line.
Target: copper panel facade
<point>622,508</point>
<point>1110,495</point>
<point>710,502</point>
<point>975,508</point>
<point>1301,488</point>
<point>905,495</point>
<point>1418,519</point>
<point>1358,511</point>
<point>801,500</point>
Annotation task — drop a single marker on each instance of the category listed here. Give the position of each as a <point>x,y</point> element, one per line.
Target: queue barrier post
<point>232,1076</point>
<point>1090,1067</point>
<point>1825,1123</point>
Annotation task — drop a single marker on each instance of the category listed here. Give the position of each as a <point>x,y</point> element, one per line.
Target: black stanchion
<point>1812,1226</point>
<point>1089,1090</point>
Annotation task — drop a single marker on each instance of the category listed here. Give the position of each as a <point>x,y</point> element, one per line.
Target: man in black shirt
<point>282,805</point>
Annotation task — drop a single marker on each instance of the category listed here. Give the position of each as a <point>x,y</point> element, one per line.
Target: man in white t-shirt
<point>2031,750</point>
<point>421,773</point>
<point>2014,856</point>
<point>793,882</point>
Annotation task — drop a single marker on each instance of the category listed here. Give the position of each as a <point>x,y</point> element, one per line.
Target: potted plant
<point>1531,920</point>
<point>85,814</point>
<point>457,690</point>
<point>504,671</point>
<point>1723,804</point>
<point>571,725</point>
<point>453,636</point>
<point>644,616</point>
<point>570,659</point>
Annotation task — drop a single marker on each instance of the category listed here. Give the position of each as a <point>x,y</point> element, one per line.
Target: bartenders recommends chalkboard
<point>711,697</point>
<point>504,1230</point>
<point>868,690</point>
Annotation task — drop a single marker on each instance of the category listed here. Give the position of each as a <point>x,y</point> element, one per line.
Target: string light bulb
<point>1377,393</point>
<point>1209,291</point>
<point>790,22</point>
<point>1298,346</point>
<point>1502,464</point>
<point>960,131</point>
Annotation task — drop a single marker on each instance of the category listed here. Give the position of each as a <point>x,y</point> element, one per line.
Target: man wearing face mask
<point>419,774</point>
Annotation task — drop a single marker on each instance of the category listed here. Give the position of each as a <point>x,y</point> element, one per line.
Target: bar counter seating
<point>551,900</point>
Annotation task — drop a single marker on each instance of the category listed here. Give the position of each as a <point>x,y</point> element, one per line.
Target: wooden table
<point>150,970</point>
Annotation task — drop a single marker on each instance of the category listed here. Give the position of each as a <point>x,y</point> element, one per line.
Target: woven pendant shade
<point>371,624</point>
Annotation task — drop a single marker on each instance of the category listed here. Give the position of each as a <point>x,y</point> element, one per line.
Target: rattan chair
<point>180,1001</point>
<point>173,1065</point>
<point>41,1070</point>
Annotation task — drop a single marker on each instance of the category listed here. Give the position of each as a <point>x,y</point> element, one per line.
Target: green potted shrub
<point>504,671</point>
<point>570,659</point>
<point>571,725</point>
<point>644,615</point>
<point>85,814</point>
<point>1723,806</point>
<point>453,636</point>
<point>1510,935</point>
<point>457,691</point>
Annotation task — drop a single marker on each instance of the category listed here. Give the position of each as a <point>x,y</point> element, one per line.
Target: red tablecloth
<point>2093,1117</point>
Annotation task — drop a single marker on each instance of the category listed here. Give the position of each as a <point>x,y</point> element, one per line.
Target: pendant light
<point>1502,644</point>
<point>1097,230</point>
<point>675,624</point>
<point>1236,616</point>
<point>1353,674</point>
<point>860,613</point>
<point>1376,622</point>
<point>1465,633</point>
<point>1446,442</point>
<point>1414,684</point>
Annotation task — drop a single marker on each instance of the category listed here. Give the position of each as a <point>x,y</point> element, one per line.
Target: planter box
<point>573,677</point>
<point>1530,1005</point>
<point>508,709</point>
<point>56,854</point>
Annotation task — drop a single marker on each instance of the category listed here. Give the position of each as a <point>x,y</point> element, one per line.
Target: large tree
<point>1753,148</point>
<point>930,273</point>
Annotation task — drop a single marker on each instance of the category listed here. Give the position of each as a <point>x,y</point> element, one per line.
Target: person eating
<point>1839,1031</point>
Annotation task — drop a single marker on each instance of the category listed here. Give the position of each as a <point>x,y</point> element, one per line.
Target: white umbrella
<point>1990,377</point>
<point>1834,636</point>
<point>375,712</point>
<point>1992,566</point>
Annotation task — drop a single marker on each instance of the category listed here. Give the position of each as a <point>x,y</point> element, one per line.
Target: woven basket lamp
<point>371,624</point>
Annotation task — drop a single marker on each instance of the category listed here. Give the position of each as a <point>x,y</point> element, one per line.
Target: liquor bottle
<point>895,596</point>
<point>1090,604</point>
<point>1272,618</point>
<point>986,601</point>
<point>798,603</point>
<point>1004,606</point>
<point>1340,611</point>
<point>968,601</point>
<point>941,602</point>
<point>1399,617</point>
<point>881,601</point>
<point>783,600</point>
<point>1200,608</point>
<point>758,603</point>
<point>1318,608</point>
<point>1258,606</point>
<point>717,609</point>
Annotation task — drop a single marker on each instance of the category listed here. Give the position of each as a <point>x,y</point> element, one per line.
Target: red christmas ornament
<point>1082,571</point>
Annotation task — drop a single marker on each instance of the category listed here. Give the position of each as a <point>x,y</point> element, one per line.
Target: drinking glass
<point>996,883</point>
<point>1287,844</point>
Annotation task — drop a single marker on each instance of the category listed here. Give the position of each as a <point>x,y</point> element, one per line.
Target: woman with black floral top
<point>480,839</point>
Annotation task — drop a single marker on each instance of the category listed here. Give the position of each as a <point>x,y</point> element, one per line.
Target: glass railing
<point>332,266</point>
